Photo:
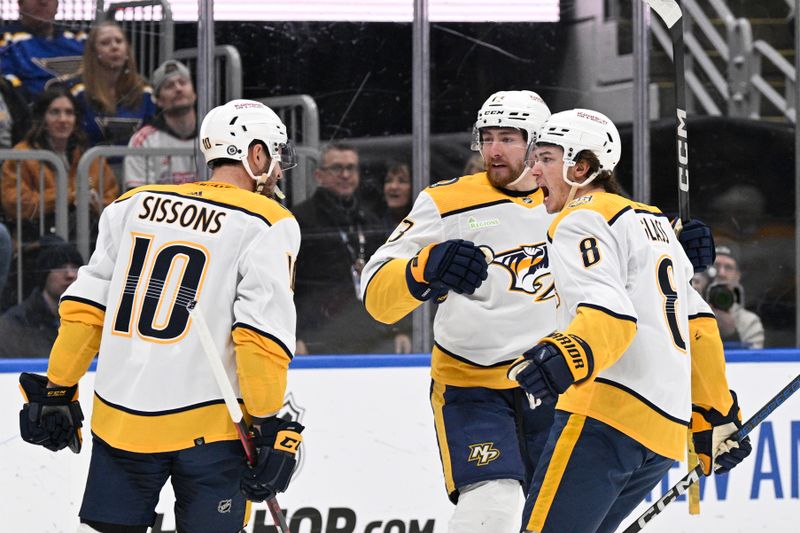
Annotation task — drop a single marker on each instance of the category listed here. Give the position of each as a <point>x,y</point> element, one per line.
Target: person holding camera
<point>724,293</point>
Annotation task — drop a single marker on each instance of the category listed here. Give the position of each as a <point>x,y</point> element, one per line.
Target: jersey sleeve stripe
<point>643,400</point>
<point>608,312</point>
<point>702,315</point>
<point>85,301</point>
<point>264,334</point>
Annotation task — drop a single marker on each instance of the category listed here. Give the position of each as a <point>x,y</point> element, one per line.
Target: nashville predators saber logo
<point>482,453</point>
<point>529,268</point>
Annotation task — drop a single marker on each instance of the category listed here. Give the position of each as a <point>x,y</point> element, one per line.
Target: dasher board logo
<point>529,268</point>
<point>482,454</point>
<point>292,410</point>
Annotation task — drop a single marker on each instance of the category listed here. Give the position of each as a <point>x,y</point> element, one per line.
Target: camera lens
<point>720,297</point>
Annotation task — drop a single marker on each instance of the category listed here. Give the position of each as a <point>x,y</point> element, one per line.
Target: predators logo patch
<point>529,267</point>
<point>482,453</point>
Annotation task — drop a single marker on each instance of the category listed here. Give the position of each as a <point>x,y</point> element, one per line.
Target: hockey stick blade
<point>668,10</point>
<point>694,475</point>
<point>234,409</point>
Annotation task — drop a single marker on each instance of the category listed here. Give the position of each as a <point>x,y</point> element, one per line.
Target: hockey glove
<point>698,243</point>
<point>544,371</point>
<point>50,417</point>
<point>277,441</point>
<point>456,265</point>
<point>711,431</point>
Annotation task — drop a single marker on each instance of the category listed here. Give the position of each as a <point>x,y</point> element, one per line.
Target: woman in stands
<point>114,98</point>
<point>56,127</point>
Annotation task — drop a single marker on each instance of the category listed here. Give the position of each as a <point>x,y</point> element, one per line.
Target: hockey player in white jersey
<point>637,353</point>
<point>226,251</point>
<point>488,436</point>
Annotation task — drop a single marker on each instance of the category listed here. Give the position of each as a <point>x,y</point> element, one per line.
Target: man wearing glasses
<point>339,236</point>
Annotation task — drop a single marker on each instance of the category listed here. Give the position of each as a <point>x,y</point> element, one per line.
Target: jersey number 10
<point>160,311</point>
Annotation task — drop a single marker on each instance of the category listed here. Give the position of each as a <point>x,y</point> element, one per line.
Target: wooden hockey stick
<point>234,409</point>
<point>694,475</point>
<point>670,12</point>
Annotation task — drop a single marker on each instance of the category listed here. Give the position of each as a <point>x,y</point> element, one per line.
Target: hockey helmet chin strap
<point>574,186</point>
<point>261,181</point>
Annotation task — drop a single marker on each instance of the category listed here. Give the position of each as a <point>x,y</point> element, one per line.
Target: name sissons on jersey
<point>186,214</point>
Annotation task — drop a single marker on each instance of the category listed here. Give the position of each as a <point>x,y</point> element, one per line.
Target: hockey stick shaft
<point>234,409</point>
<point>670,12</point>
<point>694,475</point>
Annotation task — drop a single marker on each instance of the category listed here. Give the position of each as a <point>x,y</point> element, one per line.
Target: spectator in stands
<point>30,328</point>
<point>14,115</point>
<point>339,236</point>
<point>174,127</point>
<point>55,127</point>
<point>397,197</point>
<point>33,50</point>
<point>114,98</point>
<point>738,327</point>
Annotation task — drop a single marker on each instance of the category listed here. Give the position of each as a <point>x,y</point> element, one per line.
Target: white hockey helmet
<point>582,129</point>
<point>523,110</point>
<point>228,130</point>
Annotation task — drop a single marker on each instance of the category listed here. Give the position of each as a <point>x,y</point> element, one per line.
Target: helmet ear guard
<point>523,110</point>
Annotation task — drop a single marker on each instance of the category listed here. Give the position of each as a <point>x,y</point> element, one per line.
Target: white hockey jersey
<point>476,336</point>
<point>160,248</point>
<point>623,282</point>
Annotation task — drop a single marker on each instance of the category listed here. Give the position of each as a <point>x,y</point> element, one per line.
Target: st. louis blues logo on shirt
<point>529,268</point>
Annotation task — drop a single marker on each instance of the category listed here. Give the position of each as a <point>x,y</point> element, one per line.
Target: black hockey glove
<point>711,431</point>
<point>456,265</point>
<point>277,442</point>
<point>544,371</point>
<point>50,417</point>
<point>698,243</point>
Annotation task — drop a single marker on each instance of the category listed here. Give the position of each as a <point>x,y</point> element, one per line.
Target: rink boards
<point>370,462</point>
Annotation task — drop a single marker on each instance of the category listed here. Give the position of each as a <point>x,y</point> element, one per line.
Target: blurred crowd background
<point>100,97</point>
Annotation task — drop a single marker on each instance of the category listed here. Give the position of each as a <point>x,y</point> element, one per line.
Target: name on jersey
<point>185,214</point>
<point>654,230</point>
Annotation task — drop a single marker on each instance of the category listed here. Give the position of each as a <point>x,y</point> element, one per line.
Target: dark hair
<point>337,146</point>
<point>606,178</point>
<point>37,136</point>
<point>54,253</point>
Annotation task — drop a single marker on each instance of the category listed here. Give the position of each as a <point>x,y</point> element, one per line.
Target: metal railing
<point>784,103</point>
<point>227,69</point>
<point>732,47</point>
<point>83,231</point>
<point>62,200</point>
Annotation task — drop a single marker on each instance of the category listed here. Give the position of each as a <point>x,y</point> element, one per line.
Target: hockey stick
<point>670,12</point>
<point>224,384</point>
<point>694,475</point>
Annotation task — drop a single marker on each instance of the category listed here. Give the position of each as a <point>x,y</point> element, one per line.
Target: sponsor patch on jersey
<point>483,453</point>
<point>529,266</point>
<point>474,223</point>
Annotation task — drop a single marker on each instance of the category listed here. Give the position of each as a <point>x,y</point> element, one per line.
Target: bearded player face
<point>503,151</point>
